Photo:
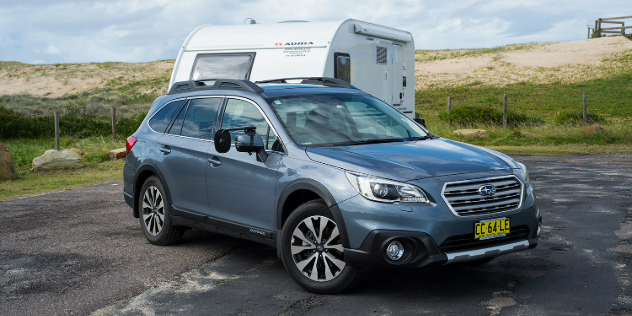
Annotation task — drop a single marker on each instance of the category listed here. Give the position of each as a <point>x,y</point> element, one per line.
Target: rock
<point>530,135</point>
<point>120,153</point>
<point>53,159</point>
<point>594,129</point>
<point>79,151</point>
<point>472,132</point>
<point>7,171</point>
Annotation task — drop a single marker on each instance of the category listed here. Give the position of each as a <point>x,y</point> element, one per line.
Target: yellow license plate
<point>491,228</point>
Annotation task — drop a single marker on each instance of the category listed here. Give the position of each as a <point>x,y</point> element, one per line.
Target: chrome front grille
<point>464,199</point>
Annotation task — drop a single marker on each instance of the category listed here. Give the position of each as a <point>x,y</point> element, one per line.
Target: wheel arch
<point>143,173</point>
<point>305,190</point>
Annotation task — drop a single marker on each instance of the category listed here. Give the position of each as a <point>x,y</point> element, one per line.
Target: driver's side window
<point>240,114</point>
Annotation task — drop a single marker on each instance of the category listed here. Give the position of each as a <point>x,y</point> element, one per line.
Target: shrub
<point>84,133</point>
<point>570,118</point>
<point>483,115</point>
<point>127,126</point>
<point>15,125</point>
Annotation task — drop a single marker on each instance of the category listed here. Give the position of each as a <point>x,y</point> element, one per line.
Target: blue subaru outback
<point>335,179</point>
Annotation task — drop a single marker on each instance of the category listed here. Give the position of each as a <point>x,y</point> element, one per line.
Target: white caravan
<point>375,58</point>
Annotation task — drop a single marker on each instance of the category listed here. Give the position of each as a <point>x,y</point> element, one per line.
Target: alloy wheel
<point>316,249</point>
<point>153,211</point>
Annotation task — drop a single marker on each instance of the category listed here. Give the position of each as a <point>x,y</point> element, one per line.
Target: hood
<point>405,161</point>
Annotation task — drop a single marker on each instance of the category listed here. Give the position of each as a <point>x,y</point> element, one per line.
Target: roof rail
<point>324,81</point>
<point>214,84</point>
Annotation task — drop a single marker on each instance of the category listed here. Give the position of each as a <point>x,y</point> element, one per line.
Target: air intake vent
<point>465,200</point>
<point>381,53</point>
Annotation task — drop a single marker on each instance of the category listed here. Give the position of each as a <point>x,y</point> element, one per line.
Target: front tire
<point>155,214</point>
<point>312,251</point>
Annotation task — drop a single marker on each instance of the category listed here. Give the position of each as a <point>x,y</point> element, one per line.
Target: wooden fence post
<point>598,30</point>
<point>113,124</point>
<point>57,130</point>
<point>505,113</point>
<point>449,104</point>
<point>594,35</point>
<point>585,114</point>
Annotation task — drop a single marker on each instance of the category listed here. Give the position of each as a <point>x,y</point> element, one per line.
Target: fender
<point>137,186</point>
<point>323,193</point>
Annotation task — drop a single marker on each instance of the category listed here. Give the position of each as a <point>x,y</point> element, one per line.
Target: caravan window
<point>342,66</point>
<point>222,66</point>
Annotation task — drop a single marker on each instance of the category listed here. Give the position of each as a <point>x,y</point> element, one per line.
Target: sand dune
<point>546,62</point>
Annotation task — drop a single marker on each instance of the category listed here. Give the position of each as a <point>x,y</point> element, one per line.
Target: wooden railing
<point>599,31</point>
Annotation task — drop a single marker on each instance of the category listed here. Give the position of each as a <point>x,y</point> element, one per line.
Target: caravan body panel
<point>376,59</point>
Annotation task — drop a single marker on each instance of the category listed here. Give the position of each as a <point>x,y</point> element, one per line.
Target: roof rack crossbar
<point>214,84</point>
<point>324,81</point>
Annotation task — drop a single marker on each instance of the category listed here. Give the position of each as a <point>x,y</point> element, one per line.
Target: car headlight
<point>525,173</point>
<point>383,190</point>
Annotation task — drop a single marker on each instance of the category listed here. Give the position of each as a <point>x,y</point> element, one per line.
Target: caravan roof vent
<point>250,21</point>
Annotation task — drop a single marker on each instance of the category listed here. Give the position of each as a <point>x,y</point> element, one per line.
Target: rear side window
<point>161,120</point>
<point>201,117</point>
<point>222,66</point>
<point>177,124</point>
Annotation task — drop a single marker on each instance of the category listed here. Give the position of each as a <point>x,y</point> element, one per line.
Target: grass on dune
<point>611,97</point>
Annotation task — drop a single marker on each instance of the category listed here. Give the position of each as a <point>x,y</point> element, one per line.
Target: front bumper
<point>420,250</point>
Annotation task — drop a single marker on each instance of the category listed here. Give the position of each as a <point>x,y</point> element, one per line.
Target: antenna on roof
<point>250,21</point>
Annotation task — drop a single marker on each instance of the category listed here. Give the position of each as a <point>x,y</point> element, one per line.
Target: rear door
<point>184,149</point>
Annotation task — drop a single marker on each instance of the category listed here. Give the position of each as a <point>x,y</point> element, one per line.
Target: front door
<point>240,188</point>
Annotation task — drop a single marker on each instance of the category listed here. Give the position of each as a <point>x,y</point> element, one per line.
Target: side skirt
<point>181,217</point>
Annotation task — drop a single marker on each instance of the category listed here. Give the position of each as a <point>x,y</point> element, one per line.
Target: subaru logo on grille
<point>487,190</point>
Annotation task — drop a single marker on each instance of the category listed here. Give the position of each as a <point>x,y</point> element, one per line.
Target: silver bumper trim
<point>455,257</point>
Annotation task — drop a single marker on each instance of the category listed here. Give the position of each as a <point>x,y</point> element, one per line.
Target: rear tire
<point>155,214</point>
<point>312,251</point>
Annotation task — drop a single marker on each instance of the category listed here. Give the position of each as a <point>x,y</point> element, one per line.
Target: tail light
<point>131,141</point>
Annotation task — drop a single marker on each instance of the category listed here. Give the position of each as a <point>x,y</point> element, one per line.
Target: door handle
<point>165,149</point>
<point>214,161</point>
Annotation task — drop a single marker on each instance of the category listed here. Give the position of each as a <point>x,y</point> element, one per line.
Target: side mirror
<point>222,141</point>
<point>421,121</point>
<point>251,143</point>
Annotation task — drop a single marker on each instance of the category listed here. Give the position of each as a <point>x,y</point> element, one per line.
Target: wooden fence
<point>599,30</point>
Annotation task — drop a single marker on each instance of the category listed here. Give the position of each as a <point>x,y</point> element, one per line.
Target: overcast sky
<point>72,31</point>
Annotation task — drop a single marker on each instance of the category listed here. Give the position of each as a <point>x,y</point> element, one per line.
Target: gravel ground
<point>75,251</point>
<point>81,252</point>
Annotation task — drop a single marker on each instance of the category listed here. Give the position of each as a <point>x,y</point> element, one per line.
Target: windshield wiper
<point>377,141</point>
<point>428,136</point>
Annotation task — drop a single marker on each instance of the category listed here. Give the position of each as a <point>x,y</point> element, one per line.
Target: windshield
<point>342,119</point>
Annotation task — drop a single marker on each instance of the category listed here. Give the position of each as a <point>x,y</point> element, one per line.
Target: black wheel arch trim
<point>137,186</point>
<point>323,193</point>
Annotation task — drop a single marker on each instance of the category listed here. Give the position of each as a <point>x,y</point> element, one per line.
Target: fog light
<point>395,250</point>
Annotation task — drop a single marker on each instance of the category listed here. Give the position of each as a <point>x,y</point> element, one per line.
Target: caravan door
<point>397,79</point>
<point>381,57</point>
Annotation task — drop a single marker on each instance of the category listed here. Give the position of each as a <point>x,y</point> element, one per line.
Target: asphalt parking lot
<point>81,252</point>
